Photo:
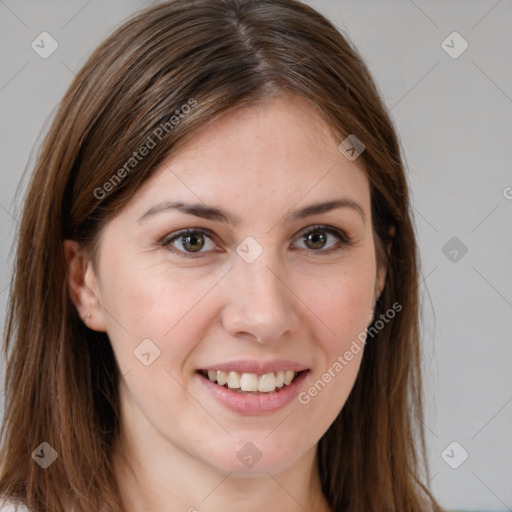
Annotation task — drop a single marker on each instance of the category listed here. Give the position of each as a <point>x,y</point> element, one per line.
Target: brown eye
<point>315,240</point>
<point>189,242</point>
<point>193,242</point>
<point>318,239</point>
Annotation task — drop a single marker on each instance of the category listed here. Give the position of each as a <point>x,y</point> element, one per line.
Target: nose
<point>260,304</point>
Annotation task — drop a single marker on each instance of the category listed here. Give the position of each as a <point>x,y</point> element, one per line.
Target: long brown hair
<point>61,378</point>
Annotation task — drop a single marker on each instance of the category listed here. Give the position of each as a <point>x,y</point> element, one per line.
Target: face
<point>255,290</point>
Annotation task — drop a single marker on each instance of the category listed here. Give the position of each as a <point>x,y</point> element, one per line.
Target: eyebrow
<point>221,215</point>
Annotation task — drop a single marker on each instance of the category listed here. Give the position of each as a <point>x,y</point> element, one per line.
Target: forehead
<point>275,154</point>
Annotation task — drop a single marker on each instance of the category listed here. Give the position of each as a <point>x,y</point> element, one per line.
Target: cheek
<point>171,307</point>
<point>343,307</point>
<point>145,295</point>
<point>154,311</point>
<point>343,304</point>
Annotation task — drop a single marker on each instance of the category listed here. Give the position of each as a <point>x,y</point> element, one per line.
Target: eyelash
<point>344,240</point>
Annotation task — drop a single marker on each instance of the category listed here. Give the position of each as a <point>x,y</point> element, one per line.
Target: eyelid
<point>344,239</point>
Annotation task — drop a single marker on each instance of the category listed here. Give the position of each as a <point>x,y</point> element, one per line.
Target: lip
<point>259,367</point>
<point>264,403</point>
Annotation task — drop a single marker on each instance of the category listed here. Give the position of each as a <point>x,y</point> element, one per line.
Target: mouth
<point>252,383</point>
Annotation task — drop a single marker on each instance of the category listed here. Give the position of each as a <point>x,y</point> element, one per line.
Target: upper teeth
<point>251,381</point>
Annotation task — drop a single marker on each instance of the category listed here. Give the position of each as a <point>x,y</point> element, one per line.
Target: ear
<point>83,286</point>
<point>381,278</point>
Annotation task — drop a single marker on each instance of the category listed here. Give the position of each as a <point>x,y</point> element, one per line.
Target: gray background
<point>454,120</point>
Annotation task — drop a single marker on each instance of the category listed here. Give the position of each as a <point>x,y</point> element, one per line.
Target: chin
<point>255,456</point>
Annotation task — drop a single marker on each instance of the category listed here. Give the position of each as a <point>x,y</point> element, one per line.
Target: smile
<point>252,392</point>
<point>251,382</point>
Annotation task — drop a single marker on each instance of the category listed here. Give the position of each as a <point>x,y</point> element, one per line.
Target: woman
<point>215,301</point>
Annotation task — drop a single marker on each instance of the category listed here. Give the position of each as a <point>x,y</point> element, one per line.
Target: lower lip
<point>254,404</point>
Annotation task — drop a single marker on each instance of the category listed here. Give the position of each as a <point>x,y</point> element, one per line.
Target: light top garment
<point>10,506</point>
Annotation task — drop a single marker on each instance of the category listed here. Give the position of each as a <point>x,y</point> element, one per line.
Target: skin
<point>295,301</point>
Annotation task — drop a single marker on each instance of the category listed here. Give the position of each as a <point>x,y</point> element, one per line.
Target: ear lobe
<point>83,287</point>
